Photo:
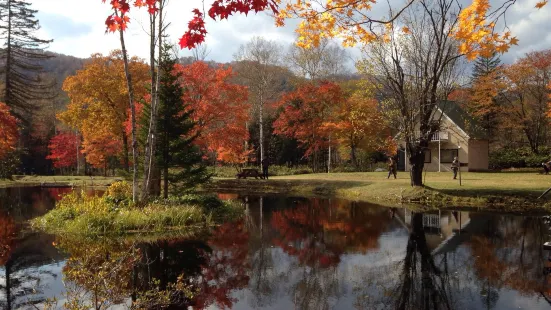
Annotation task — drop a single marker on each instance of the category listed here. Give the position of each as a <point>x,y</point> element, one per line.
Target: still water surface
<point>290,253</point>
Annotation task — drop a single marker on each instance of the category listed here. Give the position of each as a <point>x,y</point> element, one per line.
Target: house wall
<point>463,155</point>
<point>456,140</point>
<point>478,155</point>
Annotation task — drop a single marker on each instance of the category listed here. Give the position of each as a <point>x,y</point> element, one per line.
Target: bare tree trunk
<point>150,145</point>
<point>261,129</point>
<point>353,157</point>
<point>77,146</point>
<point>152,175</point>
<point>125,150</point>
<point>417,163</point>
<point>329,156</point>
<point>133,117</point>
<point>157,171</point>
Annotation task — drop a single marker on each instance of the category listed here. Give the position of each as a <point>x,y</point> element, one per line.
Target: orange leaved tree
<point>526,97</point>
<point>359,125</point>
<point>219,108</point>
<point>99,105</point>
<point>306,116</point>
<point>8,131</point>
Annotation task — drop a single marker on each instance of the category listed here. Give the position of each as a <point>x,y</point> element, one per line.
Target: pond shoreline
<point>58,181</point>
<point>389,195</point>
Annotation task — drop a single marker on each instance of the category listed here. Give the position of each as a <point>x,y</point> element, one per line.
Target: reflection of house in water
<point>440,226</point>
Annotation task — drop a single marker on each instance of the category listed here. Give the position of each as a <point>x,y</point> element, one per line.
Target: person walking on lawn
<point>265,168</point>
<point>391,167</point>
<point>455,167</point>
<point>545,167</point>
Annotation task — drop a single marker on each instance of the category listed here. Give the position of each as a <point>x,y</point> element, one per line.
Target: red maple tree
<point>307,111</point>
<point>8,131</point>
<point>219,109</point>
<point>196,31</point>
<point>63,149</point>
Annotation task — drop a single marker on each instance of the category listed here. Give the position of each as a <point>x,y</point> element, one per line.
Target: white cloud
<point>85,22</point>
<point>223,39</point>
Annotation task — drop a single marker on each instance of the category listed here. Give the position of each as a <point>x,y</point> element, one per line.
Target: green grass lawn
<point>510,183</point>
<point>505,188</point>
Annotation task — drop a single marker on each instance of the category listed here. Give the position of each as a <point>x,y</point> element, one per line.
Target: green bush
<point>518,158</point>
<point>275,170</point>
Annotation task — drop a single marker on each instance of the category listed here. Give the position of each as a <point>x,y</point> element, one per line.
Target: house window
<point>427,156</point>
<point>446,156</point>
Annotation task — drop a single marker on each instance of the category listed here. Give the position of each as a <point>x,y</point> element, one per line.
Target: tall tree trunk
<point>7,92</point>
<point>78,157</point>
<point>261,129</point>
<point>165,166</point>
<point>126,152</point>
<point>133,117</point>
<point>152,174</point>
<point>157,170</point>
<point>353,157</point>
<point>417,163</point>
<point>150,141</point>
<point>329,156</point>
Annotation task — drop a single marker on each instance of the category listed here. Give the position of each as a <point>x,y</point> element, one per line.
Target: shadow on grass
<point>317,187</point>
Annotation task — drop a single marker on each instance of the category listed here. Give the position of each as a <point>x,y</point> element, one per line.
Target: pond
<point>287,253</point>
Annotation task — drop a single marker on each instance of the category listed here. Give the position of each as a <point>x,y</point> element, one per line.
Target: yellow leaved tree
<point>361,22</point>
<point>99,105</point>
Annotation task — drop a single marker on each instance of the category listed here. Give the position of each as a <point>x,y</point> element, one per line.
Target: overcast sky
<point>78,29</point>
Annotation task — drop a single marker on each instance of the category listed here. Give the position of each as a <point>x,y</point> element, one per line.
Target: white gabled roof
<point>451,121</point>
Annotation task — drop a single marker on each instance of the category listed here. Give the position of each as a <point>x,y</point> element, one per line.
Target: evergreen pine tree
<point>483,75</point>
<point>485,65</point>
<point>21,55</point>
<point>178,158</point>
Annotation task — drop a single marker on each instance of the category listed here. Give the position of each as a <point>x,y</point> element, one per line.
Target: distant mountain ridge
<point>61,66</point>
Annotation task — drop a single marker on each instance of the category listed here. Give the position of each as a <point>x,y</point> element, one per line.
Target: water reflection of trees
<point>168,273</point>
<point>22,254</point>
<point>299,250</point>
<point>422,285</point>
<point>508,253</point>
<point>318,233</point>
<point>469,271</point>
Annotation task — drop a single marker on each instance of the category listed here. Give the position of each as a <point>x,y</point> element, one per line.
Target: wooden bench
<point>249,173</point>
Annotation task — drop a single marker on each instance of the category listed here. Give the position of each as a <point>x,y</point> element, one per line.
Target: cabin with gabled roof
<point>460,136</point>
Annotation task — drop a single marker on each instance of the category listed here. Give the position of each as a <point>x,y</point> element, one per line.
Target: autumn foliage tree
<point>8,131</point>
<point>306,116</point>
<point>196,32</point>
<point>358,123</point>
<point>64,148</point>
<point>354,23</point>
<point>526,97</point>
<point>219,109</point>
<point>99,106</point>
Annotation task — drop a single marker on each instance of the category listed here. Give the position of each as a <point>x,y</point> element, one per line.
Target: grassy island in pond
<point>115,214</point>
